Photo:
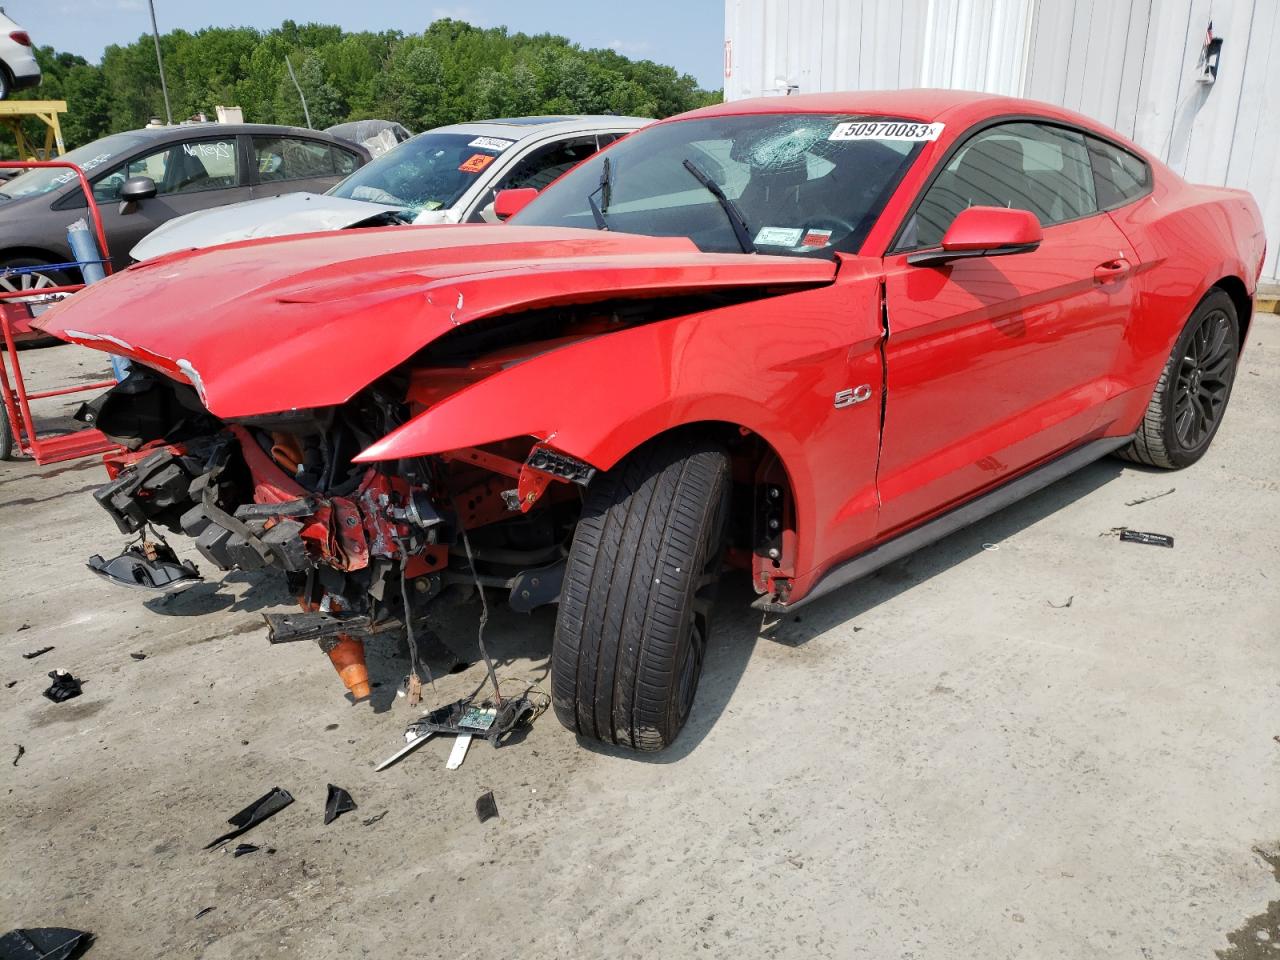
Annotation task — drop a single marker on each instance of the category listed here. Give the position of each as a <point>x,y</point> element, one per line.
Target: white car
<point>18,67</point>
<point>447,175</point>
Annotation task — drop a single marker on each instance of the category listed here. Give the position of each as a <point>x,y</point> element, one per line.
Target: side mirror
<point>133,190</point>
<point>510,202</point>
<point>984,232</point>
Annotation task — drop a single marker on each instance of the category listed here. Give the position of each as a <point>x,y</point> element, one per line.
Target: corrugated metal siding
<point>1128,63</point>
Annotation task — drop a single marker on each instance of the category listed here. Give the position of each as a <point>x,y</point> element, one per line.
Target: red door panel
<point>995,363</point>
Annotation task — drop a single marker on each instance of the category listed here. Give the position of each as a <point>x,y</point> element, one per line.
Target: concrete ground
<point>1062,747</point>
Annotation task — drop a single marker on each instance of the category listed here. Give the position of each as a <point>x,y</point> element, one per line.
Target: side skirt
<point>962,516</point>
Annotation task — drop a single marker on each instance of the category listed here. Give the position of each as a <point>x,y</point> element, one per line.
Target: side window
<point>1024,166</point>
<point>1118,175</point>
<point>540,167</point>
<point>343,162</point>
<point>546,163</point>
<point>188,167</point>
<point>292,158</point>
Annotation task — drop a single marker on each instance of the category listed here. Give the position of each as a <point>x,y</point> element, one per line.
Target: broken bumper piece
<point>318,626</point>
<point>160,571</point>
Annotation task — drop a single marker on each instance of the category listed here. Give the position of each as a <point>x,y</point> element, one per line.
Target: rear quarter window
<point>1119,176</point>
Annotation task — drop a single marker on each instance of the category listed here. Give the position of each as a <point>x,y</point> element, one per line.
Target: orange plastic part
<point>347,656</point>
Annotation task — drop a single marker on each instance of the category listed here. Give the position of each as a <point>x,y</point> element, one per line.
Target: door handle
<point>1109,270</point>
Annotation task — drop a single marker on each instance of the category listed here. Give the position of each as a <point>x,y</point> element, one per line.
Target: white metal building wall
<point>1128,63</point>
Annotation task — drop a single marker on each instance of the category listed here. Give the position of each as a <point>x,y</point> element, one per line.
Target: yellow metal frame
<point>13,112</point>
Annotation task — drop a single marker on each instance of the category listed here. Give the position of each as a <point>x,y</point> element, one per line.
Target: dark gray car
<point>192,166</point>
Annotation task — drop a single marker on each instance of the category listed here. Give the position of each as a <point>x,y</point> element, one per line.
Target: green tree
<point>450,72</point>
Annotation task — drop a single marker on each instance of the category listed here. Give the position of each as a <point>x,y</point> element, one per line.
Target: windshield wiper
<point>736,219</point>
<point>606,192</point>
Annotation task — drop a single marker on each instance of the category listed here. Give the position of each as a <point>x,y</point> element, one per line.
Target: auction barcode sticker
<point>491,143</point>
<point>886,130</point>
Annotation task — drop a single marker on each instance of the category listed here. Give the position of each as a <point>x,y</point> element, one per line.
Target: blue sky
<point>686,34</point>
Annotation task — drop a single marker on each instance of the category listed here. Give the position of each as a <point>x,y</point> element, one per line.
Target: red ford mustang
<point>799,336</point>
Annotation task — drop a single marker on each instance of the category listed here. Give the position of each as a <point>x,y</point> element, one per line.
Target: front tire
<point>1191,396</point>
<point>6,434</point>
<point>635,607</point>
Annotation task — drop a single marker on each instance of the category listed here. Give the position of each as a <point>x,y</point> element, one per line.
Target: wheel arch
<point>1235,288</point>
<point>752,454</point>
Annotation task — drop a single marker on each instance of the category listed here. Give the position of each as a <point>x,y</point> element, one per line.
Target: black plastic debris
<point>204,910</point>
<point>370,821</point>
<point>44,943</point>
<point>1151,539</point>
<point>32,654</point>
<point>243,848</point>
<point>268,805</point>
<point>147,566</point>
<point>18,755</point>
<point>11,684</point>
<point>138,656</point>
<point>1154,496</point>
<point>338,803</point>
<point>487,807</point>
<point>64,686</point>
<point>25,626</point>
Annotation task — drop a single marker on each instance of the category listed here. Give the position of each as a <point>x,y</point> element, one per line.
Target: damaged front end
<point>365,548</point>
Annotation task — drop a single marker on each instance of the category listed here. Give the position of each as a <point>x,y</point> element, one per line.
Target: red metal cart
<point>17,400</point>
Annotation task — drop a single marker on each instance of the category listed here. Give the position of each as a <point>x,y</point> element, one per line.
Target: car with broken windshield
<point>789,340</point>
<point>447,175</point>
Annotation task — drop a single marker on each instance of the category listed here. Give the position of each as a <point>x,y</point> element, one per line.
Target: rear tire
<point>1191,395</point>
<point>636,603</point>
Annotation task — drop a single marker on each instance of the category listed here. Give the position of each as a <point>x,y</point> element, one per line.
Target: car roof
<point>526,128</point>
<point>179,131</point>
<point>959,107</point>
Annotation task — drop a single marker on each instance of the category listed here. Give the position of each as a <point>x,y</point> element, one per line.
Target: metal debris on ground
<point>1061,606</point>
<point>18,755</point>
<point>1154,496</point>
<point>268,805</point>
<point>487,719</point>
<point>201,912</point>
<point>64,686</point>
<point>486,807</point>
<point>370,821</point>
<point>243,848</point>
<point>43,943</point>
<point>336,804</point>
<point>1151,539</point>
<point>32,654</point>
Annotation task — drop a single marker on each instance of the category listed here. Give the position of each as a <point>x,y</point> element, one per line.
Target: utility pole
<point>297,86</point>
<point>164,87</point>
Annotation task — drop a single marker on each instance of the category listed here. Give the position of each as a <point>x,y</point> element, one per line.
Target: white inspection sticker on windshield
<point>778,237</point>
<point>490,143</point>
<point>886,130</point>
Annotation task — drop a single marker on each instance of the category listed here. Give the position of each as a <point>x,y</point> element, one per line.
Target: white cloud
<point>458,12</point>
<point>631,48</point>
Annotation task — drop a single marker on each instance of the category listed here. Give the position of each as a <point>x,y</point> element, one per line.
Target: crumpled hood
<point>270,325</point>
<point>289,213</point>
